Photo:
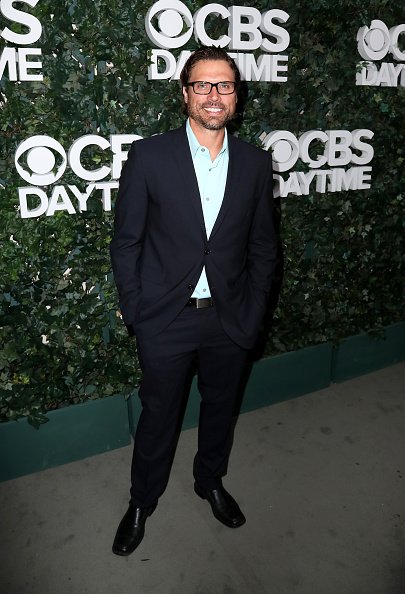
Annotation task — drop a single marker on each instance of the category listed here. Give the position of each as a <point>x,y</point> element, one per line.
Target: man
<point>193,253</point>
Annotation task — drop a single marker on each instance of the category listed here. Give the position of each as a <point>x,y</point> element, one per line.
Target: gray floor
<point>320,479</point>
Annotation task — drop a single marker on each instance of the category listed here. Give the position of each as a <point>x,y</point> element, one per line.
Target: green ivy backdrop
<point>343,252</point>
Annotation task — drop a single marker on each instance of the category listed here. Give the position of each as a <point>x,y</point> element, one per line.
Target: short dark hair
<point>207,53</point>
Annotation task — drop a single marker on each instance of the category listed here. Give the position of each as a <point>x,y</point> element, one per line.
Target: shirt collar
<point>195,145</point>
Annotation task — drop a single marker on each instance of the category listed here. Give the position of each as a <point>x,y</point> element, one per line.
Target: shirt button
<point>203,150</point>
<point>207,199</point>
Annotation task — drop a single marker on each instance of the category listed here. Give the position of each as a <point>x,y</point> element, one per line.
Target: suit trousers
<point>195,337</point>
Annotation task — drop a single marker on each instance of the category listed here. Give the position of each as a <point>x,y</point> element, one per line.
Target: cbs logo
<point>171,16</point>
<point>176,24</point>
<point>376,41</point>
<point>43,169</point>
<point>41,160</point>
<point>338,148</point>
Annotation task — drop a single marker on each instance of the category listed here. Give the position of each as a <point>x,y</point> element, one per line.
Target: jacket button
<point>207,252</point>
<point>190,287</point>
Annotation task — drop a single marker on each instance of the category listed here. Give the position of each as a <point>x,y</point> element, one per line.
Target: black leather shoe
<point>224,506</point>
<point>131,529</point>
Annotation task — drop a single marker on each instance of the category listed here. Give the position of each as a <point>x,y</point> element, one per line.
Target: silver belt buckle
<point>201,303</point>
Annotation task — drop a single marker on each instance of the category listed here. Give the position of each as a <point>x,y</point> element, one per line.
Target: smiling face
<point>213,111</point>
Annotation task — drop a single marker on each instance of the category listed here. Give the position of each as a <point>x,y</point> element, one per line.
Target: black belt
<point>200,303</point>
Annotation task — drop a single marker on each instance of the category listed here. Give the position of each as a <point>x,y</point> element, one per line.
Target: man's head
<point>211,107</point>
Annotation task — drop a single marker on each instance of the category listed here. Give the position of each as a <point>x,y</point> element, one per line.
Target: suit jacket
<point>160,244</point>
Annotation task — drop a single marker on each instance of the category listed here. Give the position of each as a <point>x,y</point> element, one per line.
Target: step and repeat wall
<point>81,81</point>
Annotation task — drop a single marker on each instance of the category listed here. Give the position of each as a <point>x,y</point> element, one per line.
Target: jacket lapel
<point>185,165</point>
<point>235,168</point>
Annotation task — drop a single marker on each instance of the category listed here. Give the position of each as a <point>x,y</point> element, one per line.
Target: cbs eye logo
<point>376,41</point>
<point>171,17</point>
<point>44,168</point>
<point>285,150</point>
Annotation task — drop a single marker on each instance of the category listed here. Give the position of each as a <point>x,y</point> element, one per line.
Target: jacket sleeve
<point>262,244</point>
<point>129,229</point>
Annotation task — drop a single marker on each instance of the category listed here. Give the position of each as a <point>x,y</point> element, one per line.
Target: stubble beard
<point>210,122</point>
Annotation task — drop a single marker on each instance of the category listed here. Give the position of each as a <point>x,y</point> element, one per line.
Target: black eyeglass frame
<point>206,82</point>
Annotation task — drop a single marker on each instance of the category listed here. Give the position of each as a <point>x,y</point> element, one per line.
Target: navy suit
<point>158,251</point>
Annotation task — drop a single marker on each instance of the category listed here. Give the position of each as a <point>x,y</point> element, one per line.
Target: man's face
<point>212,111</point>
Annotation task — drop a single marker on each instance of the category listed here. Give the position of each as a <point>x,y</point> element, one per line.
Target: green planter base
<point>72,433</point>
<point>287,376</point>
<point>362,354</point>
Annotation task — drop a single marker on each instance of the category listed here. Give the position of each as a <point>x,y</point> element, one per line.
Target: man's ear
<point>185,94</point>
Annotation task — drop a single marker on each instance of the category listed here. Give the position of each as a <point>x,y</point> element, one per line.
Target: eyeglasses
<point>203,87</point>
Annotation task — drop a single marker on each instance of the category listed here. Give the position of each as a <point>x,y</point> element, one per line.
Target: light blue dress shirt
<point>211,178</point>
